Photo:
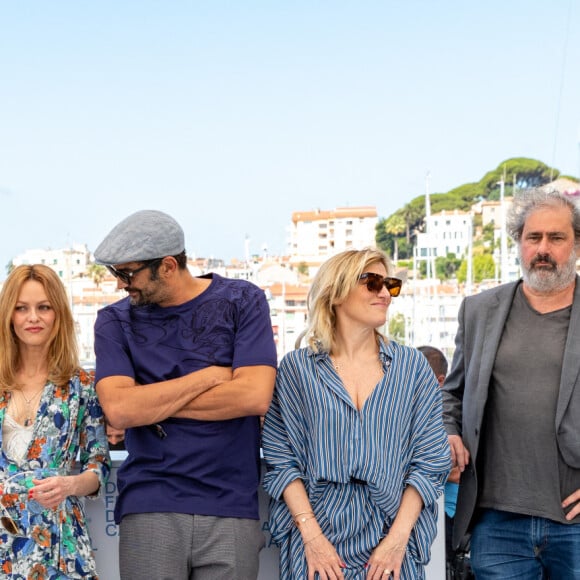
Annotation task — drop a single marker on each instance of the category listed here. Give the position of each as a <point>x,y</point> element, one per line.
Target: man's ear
<point>168,265</point>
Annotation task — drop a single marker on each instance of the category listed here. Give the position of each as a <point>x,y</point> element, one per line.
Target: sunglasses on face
<point>375,283</point>
<point>127,275</point>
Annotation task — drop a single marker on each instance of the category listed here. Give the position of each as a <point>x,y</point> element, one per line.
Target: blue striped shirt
<point>313,431</point>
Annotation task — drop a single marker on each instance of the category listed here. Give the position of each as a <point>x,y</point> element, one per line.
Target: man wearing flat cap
<point>186,365</point>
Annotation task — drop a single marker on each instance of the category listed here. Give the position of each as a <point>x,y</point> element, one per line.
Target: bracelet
<point>301,514</point>
<point>313,538</point>
<point>303,519</point>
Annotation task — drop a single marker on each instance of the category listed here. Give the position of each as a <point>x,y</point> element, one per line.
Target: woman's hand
<point>322,557</point>
<point>52,491</point>
<point>387,558</point>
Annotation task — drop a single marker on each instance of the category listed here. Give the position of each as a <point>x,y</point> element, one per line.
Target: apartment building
<point>315,235</point>
<point>288,313</point>
<point>492,212</point>
<point>446,232</point>
<point>68,263</point>
<point>428,309</point>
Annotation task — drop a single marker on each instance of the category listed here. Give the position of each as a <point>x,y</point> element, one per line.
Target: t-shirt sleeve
<point>254,339</point>
<point>111,350</point>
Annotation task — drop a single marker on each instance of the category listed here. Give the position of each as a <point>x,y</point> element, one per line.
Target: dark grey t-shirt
<point>522,469</point>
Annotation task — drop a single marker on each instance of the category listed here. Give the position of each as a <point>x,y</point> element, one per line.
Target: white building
<point>492,213</point>
<point>429,311</point>
<point>87,299</point>
<point>446,232</point>
<point>68,263</point>
<point>288,313</point>
<point>316,235</point>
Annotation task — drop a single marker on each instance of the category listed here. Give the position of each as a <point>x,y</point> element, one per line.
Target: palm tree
<point>97,273</point>
<point>412,215</point>
<point>395,226</point>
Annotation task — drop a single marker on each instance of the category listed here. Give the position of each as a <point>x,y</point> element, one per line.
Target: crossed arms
<point>210,394</point>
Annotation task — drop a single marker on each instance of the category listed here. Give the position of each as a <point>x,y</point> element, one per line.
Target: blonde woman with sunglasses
<point>354,442</point>
<point>49,417</point>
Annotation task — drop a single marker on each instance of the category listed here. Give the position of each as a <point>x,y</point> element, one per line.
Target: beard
<point>143,297</point>
<point>138,299</point>
<point>551,277</point>
<point>151,294</point>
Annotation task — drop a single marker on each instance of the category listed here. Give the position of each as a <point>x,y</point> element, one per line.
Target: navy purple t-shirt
<point>199,467</point>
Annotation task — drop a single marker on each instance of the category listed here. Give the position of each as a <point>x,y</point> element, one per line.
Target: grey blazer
<point>480,326</point>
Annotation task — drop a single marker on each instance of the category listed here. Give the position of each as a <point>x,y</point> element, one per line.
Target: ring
<point>387,573</point>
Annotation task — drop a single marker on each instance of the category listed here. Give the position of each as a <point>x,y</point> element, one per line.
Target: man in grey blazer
<point>511,403</point>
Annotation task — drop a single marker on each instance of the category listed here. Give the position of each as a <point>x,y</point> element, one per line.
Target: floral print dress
<point>45,544</point>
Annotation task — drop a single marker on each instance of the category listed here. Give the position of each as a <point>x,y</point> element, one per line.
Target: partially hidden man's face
<point>143,287</point>
<point>548,249</point>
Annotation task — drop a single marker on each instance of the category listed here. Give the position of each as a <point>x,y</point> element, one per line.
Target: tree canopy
<point>521,170</point>
<point>401,226</point>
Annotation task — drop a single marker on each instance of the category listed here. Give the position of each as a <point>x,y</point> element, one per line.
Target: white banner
<point>105,535</point>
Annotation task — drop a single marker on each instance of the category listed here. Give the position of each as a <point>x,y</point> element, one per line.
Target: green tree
<point>97,273</point>
<point>446,267</point>
<point>466,195</point>
<point>413,214</point>
<point>302,268</point>
<point>462,272</point>
<point>396,246</point>
<point>524,171</point>
<point>521,171</point>
<point>405,249</point>
<point>483,268</point>
<point>395,226</point>
<point>397,328</point>
<point>382,238</point>
<point>488,234</point>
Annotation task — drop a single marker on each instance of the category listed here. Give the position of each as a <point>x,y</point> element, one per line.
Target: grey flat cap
<point>144,235</point>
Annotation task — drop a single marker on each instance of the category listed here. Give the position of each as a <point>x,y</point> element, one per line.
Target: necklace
<point>29,411</point>
<point>337,367</point>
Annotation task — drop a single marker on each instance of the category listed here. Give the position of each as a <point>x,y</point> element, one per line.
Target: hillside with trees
<point>395,234</point>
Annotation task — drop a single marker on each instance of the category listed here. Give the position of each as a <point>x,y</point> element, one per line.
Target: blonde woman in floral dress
<point>49,418</point>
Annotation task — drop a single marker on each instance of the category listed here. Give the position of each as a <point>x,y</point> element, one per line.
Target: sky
<point>231,115</point>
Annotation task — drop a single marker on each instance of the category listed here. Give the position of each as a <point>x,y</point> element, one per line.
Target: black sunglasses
<point>127,275</point>
<point>375,283</point>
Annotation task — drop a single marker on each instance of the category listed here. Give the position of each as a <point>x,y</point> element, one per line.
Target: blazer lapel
<point>571,361</point>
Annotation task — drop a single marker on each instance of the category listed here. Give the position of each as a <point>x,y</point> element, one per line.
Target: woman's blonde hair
<point>333,282</point>
<point>62,350</point>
